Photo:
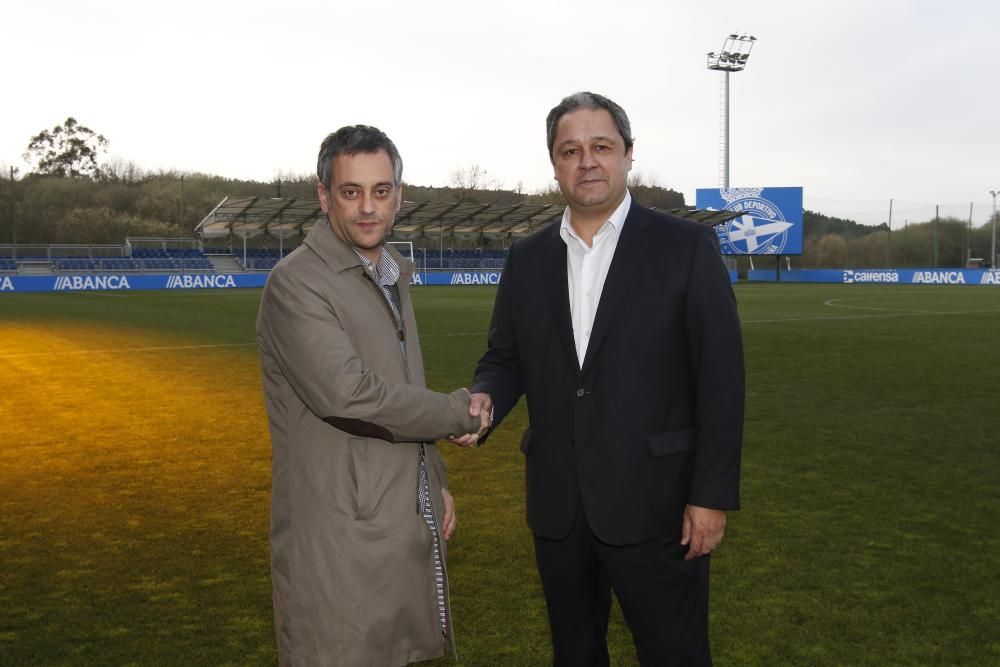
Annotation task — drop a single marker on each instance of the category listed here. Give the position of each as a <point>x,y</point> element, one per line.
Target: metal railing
<point>151,265</point>
<point>48,252</point>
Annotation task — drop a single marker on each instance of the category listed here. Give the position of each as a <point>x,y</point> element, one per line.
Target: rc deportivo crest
<point>768,220</point>
<point>761,230</point>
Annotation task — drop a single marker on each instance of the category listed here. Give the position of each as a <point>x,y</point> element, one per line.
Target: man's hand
<point>449,520</point>
<point>702,530</point>
<point>480,405</point>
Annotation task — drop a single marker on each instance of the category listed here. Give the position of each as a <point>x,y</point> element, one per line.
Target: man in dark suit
<point>620,326</point>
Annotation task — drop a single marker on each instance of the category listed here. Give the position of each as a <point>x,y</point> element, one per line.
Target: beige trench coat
<point>351,557</point>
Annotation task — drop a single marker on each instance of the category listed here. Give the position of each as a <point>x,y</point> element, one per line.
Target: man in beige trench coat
<point>359,507</point>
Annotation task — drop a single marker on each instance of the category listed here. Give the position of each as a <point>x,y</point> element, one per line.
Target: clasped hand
<point>480,405</point>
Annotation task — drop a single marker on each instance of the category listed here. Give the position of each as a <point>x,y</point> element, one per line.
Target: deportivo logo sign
<point>761,230</point>
<point>768,221</point>
<point>6,284</point>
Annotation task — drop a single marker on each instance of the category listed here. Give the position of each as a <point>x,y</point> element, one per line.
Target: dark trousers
<point>663,597</point>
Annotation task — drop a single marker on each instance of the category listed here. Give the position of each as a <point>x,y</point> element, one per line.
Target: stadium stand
<point>141,261</point>
<point>261,259</point>
<point>253,234</point>
<point>264,259</point>
<point>174,259</point>
<point>256,221</point>
<point>472,258</point>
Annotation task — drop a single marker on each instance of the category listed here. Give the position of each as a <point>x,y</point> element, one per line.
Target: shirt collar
<point>385,272</point>
<point>617,221</point>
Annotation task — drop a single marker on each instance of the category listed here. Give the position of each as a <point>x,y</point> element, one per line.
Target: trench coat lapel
<point>335,253</point>
<point>341,257</point>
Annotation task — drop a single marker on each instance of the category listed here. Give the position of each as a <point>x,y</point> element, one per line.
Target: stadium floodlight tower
<point>993,246</point>
<point>733,58</point>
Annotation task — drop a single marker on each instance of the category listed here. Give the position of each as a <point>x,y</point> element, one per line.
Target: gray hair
<point>587,100</point>
<point>351,140</point>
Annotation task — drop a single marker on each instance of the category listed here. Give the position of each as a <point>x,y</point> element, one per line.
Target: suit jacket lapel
<point>625,263</point>
<point>557,291</point>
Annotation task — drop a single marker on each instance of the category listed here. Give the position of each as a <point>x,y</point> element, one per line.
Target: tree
<point>120,170</point>
<point>832,251</point>
<point>67,150</point>
<point>468,180</point>
<point>648,192</point>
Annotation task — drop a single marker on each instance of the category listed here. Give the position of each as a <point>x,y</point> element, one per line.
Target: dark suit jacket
<point>654,418</point>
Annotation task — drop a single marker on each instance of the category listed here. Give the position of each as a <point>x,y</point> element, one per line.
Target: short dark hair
<point>587,100</point>
<point>351,140</point>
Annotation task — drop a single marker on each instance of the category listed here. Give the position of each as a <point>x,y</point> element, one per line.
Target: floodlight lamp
<point>733,36</point>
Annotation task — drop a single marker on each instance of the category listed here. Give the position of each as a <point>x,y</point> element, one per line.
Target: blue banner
<point>883,276</point>
<point>476,277</point>
<point>119,282</point>
<point>456,278</point>
<point>770,224</point>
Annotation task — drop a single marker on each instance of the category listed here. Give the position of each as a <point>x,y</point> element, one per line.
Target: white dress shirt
<point>587,268</point>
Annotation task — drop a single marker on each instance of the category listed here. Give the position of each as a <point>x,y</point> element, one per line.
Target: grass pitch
<point>134,483</point>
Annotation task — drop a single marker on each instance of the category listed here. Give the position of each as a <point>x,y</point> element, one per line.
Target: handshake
<point>480,405</point>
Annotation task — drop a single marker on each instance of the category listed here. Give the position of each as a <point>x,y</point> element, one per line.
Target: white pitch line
<point>170,348</point>
<point>448,335</point>
<point>115,295</point>
<point>870,317</point>
<point>231,293</point>
<point>833,304</point>
<point>125,294</point>
<point>124,350</point>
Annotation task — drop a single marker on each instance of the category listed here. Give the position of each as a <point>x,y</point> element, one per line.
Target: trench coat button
<point>580,392</point>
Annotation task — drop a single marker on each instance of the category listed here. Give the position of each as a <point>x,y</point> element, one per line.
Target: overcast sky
<point>856,101</point>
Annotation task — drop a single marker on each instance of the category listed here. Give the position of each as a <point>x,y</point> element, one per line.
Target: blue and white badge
<point>770,224</point>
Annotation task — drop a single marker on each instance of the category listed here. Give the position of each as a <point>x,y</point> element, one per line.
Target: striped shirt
<point>385,274</point>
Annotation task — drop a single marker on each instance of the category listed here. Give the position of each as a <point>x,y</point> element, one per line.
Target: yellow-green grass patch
<point>134,483</point>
